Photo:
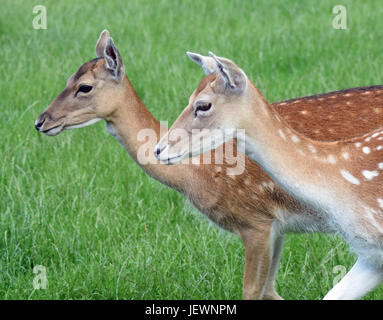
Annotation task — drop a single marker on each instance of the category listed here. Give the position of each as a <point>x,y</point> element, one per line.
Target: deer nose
<point>158,150</point>
<point>39,123</point>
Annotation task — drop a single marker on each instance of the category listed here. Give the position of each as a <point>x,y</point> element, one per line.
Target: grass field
<point>79,206</point>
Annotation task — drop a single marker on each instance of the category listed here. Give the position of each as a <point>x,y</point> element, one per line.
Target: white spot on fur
<point>282,134</point>
<point>311,148</point>
<point>345,155</point>
<point>366,150</point>
<point>379,148</point>
<point>380,202</point>
<point>370,174</point>
<point>380,165</point>
<point>295,139</point>
<point>269,185</point>
<point>349,177</point>
<point>358,144</point>
<point>331,159</point>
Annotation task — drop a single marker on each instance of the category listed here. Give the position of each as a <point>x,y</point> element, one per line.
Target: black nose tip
<point>158,150</point>
<point>38,124</point>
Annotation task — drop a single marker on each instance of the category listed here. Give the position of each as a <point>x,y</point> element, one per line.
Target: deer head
<point>209,120</point>
<point>90,95</point>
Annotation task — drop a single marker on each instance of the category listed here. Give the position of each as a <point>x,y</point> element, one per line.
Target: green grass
<point>78,205</point>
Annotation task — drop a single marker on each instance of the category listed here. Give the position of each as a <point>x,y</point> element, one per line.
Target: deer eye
<point>203,107</point>
<point>84,88</point>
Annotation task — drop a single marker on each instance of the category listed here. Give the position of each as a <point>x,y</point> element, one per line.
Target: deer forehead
<point>207,93</point>
<point>87,72</point>
<point>206,83</point>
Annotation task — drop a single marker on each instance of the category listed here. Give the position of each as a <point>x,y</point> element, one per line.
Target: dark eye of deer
<point>204,107</point>
<point>85,88</point>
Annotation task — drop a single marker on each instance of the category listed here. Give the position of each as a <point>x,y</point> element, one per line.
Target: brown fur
<point>336,108</point>
<point>86,67</point>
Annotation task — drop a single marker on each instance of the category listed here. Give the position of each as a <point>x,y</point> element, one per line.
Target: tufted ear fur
<point>101,43</point>
<point>105,48</point>
<point>207,63</point>
<point>234,78</point>
<point>113,60</point>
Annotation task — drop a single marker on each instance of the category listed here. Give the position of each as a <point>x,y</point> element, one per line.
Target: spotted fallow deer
<point>341,181</point>
<point>247,204</point>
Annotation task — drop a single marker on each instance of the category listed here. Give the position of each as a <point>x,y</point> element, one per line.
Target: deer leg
<point>276,243</point>
<point>361,279</point>
<point>258,262</point>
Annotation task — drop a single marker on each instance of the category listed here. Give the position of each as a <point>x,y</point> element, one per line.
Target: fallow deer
<point>101,90</point>
<point>340,181</point>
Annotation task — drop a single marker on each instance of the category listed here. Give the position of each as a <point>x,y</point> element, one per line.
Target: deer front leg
<point>259,267</point>
<point>361,279</point>
<point>276,244</point>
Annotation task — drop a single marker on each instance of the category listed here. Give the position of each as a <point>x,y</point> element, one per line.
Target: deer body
<point>250,204</point>
<point>340,181</point>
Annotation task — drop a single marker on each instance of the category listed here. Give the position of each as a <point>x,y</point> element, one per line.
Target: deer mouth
<point>54,130</point>
<point>173,159</point>
<point>41,124</point>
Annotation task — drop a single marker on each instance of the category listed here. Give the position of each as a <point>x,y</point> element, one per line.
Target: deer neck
<point>138,131</point>
<point>303,167</point>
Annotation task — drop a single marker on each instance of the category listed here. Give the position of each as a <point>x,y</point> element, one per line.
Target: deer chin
<point>83,124</point>
<point>61,127</point>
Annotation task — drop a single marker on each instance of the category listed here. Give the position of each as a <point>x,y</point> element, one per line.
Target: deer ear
<point>207,63</point>
<point>101,43</point>
<point>235,79</point>
<point>113,60</point>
